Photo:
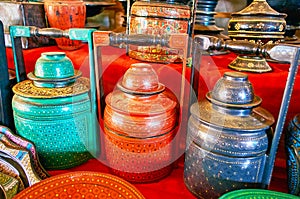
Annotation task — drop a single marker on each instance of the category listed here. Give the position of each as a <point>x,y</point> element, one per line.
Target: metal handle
<point>107,38</point>
<point>138,39</point>
<point>280,52</point>
<point>50,32</point>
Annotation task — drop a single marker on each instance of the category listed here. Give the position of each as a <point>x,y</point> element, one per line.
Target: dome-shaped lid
<point>231,105</point>
<point>53,69</point>
<point>258,119</point>
<point>234,90</point>
<point>258,22</point>
<point>259,7</point>
<point>140,79</point>
<point>140,93</point>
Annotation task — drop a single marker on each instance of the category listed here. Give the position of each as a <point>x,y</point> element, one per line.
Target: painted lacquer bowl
<point>81,184</point>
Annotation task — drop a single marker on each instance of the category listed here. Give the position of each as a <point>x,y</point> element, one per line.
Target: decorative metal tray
<point>81,184</point>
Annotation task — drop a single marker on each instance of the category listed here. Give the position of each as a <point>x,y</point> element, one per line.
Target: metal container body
<point>293,151</point>
<point>157,19</point>
<point>139,160</point>
<point>220,160</point>
<point>138,145</point>
<point>227,142</point>
<point>209,175</point>
<point>256,28</point>
<point>59,127</point>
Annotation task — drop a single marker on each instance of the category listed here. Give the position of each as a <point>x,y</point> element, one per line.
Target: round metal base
<point>250,64</point>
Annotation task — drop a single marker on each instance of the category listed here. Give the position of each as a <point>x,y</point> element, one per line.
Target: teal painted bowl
<point>53,70</point>
<point>54,65</point>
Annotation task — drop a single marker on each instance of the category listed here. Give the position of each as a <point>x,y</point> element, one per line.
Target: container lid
<point>54,76</point>
<point>231,105</point>
<point>140,105</point>
<point>140,79</point>
<point>140,93</point>
<point>258,21</point>
<point>235,91</point>
<point>259,7</point>
<point>258,119</point>
<point>53,69</point>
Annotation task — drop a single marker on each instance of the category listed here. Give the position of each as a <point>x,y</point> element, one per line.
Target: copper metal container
<point>227,139</point>
<point>140,119</point>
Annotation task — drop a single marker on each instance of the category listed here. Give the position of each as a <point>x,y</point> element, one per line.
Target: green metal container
<point>53,110</point>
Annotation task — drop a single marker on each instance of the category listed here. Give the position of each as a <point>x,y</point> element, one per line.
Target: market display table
<point>269,86</point>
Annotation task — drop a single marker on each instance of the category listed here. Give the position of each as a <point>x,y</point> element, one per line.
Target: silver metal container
<point>227,139</point>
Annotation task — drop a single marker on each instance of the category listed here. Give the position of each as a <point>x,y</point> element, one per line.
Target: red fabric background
<point>269,86</point>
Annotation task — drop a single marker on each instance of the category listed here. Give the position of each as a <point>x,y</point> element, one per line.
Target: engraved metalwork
<point>258,23</point>
<point>58,117</point>
<point>101,38</point>
<point>27,89</point>
<point>292,140</point>
<point>140,123</point>
<point>280,52</point>
<point>227,140</point>
<point>77,118</point>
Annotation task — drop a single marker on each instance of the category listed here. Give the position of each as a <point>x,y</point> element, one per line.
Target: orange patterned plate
<point>81,184</point>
